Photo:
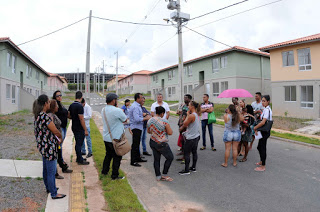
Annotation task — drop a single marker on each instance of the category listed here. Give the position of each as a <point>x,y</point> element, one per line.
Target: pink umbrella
<point>235,93</point>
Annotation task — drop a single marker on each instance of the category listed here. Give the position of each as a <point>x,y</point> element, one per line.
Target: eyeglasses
<point>59,95</point>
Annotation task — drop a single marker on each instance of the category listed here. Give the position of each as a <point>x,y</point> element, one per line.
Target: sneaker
<point>146,153</point>
<point>118,178</point>
<point>193,169</point>
<point>67,170</point>
<point>59,177</point>
<point>213,149</point>
<point>84,163</point>
<point>83,153</point>
<point>183,172</point>
<point>183,162</point>
<point>203,148</point>
<point>89,155</point>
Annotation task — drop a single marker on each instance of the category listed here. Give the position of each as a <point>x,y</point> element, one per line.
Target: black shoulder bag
<point>267,126</point>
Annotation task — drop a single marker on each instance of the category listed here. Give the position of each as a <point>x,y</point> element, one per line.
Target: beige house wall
<point>280,73</point>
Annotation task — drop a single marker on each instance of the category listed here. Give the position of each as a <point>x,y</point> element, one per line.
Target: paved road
<point>291,182</point>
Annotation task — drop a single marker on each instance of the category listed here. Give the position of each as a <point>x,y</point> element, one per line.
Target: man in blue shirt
<point>115,117</point>
<point>136,124</point>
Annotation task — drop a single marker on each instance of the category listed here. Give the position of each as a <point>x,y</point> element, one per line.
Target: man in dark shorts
<point>78,126</point>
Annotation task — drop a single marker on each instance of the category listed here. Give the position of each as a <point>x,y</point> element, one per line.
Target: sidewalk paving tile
<point>28,168</point>
<point>7,168</point>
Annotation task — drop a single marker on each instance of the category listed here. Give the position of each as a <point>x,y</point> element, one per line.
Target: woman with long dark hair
<point>48,138</point>
<point>262,145</point>
<point>232,134</point>
<point>62,114</point>
<point>191,136</point>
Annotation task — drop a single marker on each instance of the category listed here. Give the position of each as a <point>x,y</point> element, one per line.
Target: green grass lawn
<point>219,110</point>
<point>118,194</point>
<point>296,137</point>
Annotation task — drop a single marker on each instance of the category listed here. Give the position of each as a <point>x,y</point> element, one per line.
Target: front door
<point>201,76</point>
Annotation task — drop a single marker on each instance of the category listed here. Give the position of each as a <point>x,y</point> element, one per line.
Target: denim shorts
<point>231,135</point>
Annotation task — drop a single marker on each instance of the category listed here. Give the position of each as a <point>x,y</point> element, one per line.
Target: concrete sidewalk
<point>20,168</point>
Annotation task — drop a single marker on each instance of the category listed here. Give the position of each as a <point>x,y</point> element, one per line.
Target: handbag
<point>211,118</point>
<point>267,126</point>
<point>121,146</point>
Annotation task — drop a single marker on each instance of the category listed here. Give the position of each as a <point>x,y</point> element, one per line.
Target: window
<point>30,71</point>
<point>190,88</point>
<point>131,78</point>
<point>45,80</point>
<point>173,90</point>
<point>169,92</point>
<point>155,78</point>
<point>304,59</point>
<point>185,69</point>
<point>290,94</point>
<point>224,62</point>
<point>13,94</point>
<point>9,56</point>
<point>185,89</point>
<point>8,91</point>
<point>37,75</point>
<point>14,59</point>
<point>287,58</point>
<point>189,70</point>
<point>307,96</point>
<point>169,75</point>
<point>27,71</point>
<point>215,65</point>
<point>224,86</point>
<point>30,90</point>
<point>215,87</point>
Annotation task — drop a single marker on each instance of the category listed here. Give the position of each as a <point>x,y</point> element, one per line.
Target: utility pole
<point>78,80</point>
<point>87,85</point>
<point>117,74</point>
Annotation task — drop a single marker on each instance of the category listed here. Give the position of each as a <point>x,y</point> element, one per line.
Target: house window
<point>37,75</point>
<point>8,86</point>
<point>185,89</point>
<point>173,90</point>
<point>290,93</point>
<point>14,59</point>
<point>9,56</point>
<point>287,58</point>
<point>155,78</point>
<point>13,94</point>
<point>215,65</point>
<point>27,71</point>
<point>131,79</point>
<point>190,88</point>
<point>169,75</point>
<point>304,59</point>
<point>169,92</point>
<point>185,69</point>
<point>224,86</point>
<point>189,70</point>
<point>224,62</point>
<point>307,96</point>
<point>215,87</point>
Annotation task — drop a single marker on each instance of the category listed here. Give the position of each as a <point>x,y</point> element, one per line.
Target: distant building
<point>72,77</point>
<point>65,83</point>
<point>55,82</point>
<point>232,68</point>
<point>295,77</point>
<point>111,84</point>
<point>137,82</point>
<point>22,80</point>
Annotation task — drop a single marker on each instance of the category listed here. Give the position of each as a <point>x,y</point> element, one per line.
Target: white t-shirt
<point>267,114</point>
<point>257,106</point>
<point>164,105</point>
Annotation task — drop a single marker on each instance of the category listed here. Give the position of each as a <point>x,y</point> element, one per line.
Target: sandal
<point>168,179</point>
<point>243,160</point>
<point>223,165</point>
<point>258,164</point>
<point>259,169</point>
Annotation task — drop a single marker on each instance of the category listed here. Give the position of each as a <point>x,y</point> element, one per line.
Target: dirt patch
<point>291,124</point>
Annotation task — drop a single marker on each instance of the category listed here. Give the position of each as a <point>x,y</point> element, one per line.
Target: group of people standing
<point>50,127</point>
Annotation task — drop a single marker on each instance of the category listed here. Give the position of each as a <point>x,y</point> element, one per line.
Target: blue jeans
<point>204,124</point>
<point>143,140</point>
<point>89,144</point>
<point>79,138</point>
<point>49,169</point>
<point>64,133</point>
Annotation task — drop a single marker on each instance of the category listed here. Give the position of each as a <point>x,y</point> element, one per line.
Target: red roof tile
<point>310,38</point>
<point>235,48</point>
<point>142,72</point>
<point>7,39</point>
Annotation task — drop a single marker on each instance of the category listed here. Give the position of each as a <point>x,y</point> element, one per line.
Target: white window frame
<point>173,90</point>
<point>223,86</point>
<point>13,93</point>
<point>169,75</point>
<point>217,62</point>
<point>306,102</point>
<point>169,92</point>
<point>215,94</point>
<point>8,91</point>
<point>27,71</point>
<point>224,61</point>
<point>190,90</point>
<point>185,89</point>
<point>14,62</point>
<point>9,59</point>
<point>290,93</point>
<point>37,75</point>
<point>189,70</point>
<point>305,65</point>
<point>286,54</point>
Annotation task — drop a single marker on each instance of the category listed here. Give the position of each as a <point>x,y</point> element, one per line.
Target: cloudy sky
<point>65,51</point>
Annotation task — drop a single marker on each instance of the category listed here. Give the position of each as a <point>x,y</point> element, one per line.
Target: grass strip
<point>118,193</point>
<point>296,137</point>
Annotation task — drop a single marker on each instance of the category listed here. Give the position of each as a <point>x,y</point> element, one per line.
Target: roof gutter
<point>286,45</point>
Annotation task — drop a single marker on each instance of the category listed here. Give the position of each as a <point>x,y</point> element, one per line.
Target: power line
<point>49,33</point>
<point>129,22</point>
<point>263,5</point>
<point>219,9</point>
<point>161,45</point>
<point>208,37</point>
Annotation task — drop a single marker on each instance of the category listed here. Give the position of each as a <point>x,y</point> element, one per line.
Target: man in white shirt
<point>257,105</point>
<point>87,116</point>
<point>158,103</point>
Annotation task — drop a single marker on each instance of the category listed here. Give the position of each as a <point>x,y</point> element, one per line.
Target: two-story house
<point>55,82</point>
<point>295,77</point>
<point>136,82</point>
<point>235,67</point>
<point>111,84</point>
<point>21,78</point>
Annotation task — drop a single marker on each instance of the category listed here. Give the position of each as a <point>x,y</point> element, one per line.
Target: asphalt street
<point>290,183</point>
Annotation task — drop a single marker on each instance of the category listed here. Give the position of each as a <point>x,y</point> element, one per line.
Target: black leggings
<point>191,146</point>
<point>262,147</point>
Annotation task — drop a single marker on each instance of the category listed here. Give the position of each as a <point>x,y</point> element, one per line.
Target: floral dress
<point>47,143</point>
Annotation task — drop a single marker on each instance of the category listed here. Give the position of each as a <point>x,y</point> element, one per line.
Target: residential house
<point>21,78</point>
<point>111,84</point>
<point>136,82</point>
<point>65,83</point>
<point>55,82</point>
<point>232,68</point>
<point>295,77</point>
